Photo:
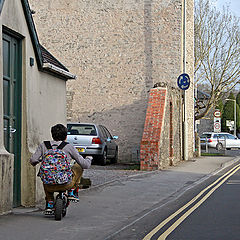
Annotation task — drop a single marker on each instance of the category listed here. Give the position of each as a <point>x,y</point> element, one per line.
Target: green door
<point>12,108</point>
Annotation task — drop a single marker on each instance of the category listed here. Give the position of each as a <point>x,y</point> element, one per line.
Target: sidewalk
<point>117,198</point>
<point>101,175</point>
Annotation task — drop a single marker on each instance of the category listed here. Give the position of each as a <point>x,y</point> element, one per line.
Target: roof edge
<point>60,71</point>
<point>32,31</point>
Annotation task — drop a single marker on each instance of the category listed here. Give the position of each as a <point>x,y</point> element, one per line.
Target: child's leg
<point>77,174</point>
<point>73,190</point>
<point>49,195</point>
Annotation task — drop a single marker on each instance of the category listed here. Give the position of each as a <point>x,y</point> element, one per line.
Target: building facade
<point>120,50</point>
<point>33,90</point>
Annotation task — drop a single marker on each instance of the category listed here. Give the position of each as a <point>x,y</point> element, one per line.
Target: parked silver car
<point>219,140</point>
<point>94,140</point>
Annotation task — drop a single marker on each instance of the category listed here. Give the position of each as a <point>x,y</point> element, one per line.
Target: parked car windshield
<point>81,129</point>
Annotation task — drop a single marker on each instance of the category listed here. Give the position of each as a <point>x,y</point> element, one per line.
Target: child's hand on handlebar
<point>89,157</point>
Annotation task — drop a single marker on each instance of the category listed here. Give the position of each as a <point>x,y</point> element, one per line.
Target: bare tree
<point>217,52</point>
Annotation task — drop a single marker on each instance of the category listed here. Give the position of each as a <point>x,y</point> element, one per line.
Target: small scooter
<point>61,203</point>
<point>60,206</point>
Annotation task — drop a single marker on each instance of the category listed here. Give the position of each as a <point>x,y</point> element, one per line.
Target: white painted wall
<point>44,104</point>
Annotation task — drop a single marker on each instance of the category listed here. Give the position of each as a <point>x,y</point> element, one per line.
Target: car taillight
<point>96,141</point>
<point>209,140</point>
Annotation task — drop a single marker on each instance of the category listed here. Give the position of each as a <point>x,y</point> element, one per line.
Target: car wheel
<point>103,158</point>
<point>219,146</point>
<point>115,159</point>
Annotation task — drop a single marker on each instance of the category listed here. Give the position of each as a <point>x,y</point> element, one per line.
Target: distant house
<point>207,123</point>
<point>33,93</point>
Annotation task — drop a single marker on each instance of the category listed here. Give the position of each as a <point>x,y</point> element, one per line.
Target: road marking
<point>233,182</point>
<point>218,183</point>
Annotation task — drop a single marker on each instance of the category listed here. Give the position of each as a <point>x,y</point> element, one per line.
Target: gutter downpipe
<point>185,123</point>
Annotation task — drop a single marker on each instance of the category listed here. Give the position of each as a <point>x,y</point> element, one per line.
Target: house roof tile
<point>47,57</point>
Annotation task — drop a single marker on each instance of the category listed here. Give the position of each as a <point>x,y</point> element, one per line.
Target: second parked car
<point>94,140</point>
<point>219,140</point>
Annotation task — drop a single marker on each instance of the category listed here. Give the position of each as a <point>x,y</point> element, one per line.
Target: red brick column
<point>149,153</point>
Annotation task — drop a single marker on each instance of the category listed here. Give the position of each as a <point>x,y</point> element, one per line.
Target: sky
<point>234,5</point>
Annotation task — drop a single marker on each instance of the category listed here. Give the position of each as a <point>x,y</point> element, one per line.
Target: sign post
<point>183,83</point>
<point>217,121</point>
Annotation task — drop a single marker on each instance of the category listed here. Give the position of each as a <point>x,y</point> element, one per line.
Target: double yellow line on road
<point>215,185</point>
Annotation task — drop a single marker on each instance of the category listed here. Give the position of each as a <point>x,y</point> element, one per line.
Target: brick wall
<point>161,142</point>
<point>149,153</point>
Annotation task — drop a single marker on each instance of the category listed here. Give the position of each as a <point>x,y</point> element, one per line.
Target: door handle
<point>12,130</point>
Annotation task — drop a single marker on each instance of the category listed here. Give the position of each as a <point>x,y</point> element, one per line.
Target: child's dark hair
<point>59,132</point>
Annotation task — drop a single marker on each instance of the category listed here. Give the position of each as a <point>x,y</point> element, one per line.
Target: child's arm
<point>36,157</point>
<point>84,163</point>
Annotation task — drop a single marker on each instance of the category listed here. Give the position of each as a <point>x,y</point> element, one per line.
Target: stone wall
<point>190,71</point>
<point>171,143</point>
<point>6,182</point>
<point>119,50</point>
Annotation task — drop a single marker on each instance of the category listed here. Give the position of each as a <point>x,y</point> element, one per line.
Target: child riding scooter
<point>55,171</point>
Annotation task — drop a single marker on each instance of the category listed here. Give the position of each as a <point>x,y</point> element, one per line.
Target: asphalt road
<point>209,211</point>
<point>217,217</point>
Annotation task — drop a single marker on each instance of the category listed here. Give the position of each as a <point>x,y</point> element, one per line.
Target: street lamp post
<point>185,124</point>
<point>235,115</point>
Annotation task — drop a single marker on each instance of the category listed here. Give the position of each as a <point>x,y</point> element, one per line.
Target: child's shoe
<point>49,208</point>
<point>72,196</point>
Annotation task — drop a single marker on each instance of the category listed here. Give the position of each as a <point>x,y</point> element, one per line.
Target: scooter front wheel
<point>58,209</point>
<point>65,205</point>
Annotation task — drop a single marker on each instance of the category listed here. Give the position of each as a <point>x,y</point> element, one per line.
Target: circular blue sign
<point>183,81</point>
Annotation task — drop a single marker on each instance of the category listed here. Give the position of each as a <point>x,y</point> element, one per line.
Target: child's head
<point>59,132</point>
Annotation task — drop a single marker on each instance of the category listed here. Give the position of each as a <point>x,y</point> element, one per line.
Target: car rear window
<point>81,129</point>
<point>206,135</point>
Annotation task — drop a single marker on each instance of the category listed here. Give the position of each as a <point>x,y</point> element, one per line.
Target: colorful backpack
<point>55,169</point>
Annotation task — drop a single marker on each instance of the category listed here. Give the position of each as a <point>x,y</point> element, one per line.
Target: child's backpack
<point>55,169</point>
